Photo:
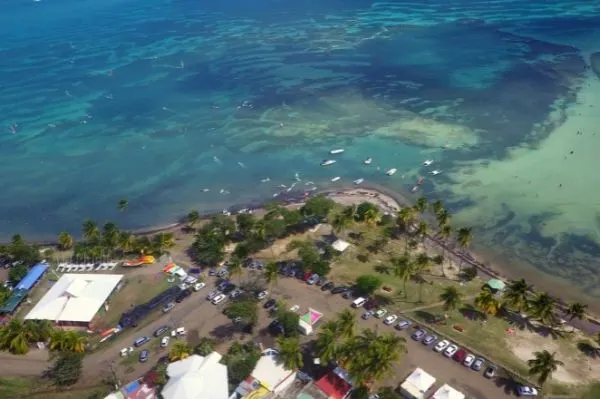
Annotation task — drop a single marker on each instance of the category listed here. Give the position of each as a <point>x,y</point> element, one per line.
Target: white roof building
<point>271,373</point>
<point>75,298</point>
<point>447,392</point>
<point>197,377</point>
<point>417,384</point>
<point>340,245</point>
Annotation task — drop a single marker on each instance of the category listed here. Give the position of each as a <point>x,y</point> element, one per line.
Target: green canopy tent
<point>495,284</point>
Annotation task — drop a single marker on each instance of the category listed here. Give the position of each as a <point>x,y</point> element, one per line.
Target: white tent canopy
<point>75,297</point>
<point>417,384</point>
<point>197,377</point>
<point>447,392</point>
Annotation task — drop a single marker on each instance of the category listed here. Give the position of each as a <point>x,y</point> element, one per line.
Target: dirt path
<point>436,304</point>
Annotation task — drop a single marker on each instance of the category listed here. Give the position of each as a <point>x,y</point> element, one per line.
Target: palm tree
<point>75,341</point>
<point>192,218</point>
<point>271,275</point>
<point>443,218</point>
<point>516,294</point>
<point>543,308</point>
<point>463,237</point>
<point>421,205</point>
<point>122,205</point>
<point>487,302</point>
<point>437,207</point>
<point>15,337</point>
<point>90,230</point>
<point>543,365</point>
<point>162,242</point>
<point>405,218</point>
<point>371,216</point>
<point>65,241</point>
<point>422,230</point>
<point>126,241</point>
<point>58,341</point>
<point>290,353</point>
<point>180,350</point>
<point>235,267</point>
<point>40,330</point>
<point>576,310</point>
<point>327,343</point>
<point>445,233</point>
<point>451,297</point>
<point>345,323</point>
<point>421,265</point>
<point>110,235</point>
<point>403,269</point>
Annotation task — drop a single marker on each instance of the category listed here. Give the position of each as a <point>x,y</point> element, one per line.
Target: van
<point>358,302</point>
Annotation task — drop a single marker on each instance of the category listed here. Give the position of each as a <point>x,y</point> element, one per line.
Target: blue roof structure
<point>32,277</point>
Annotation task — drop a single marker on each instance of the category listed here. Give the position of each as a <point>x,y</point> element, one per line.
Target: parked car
<point>490,372</point>
<point>160,331</point>
<point>460,355</point>
<point>213,294</point>
<point>312,279</point>
<point>229,287</point>
<point>321,281</point>
<point>235,293</point>
<point>190,280</point>
<point>418,335</point>
<point>199,286</point>
<point>390,319</point>
<point>348,294</point>
<point>275,328</point>
<point>182,295</point>
<point>370,304</point>
<point>359,302</point>
<point>178,332</point>
<point>164,342</point>
<point>218,299</point>
<point>269,303</point>
<point>327,286</point>
<point>212,271</point>
<point>450,350</point>
<point>144,355</point>
<point>141,341</point>
<point>339,290</point>
<point>262,295</point>
<point>524,390</point>
<point>403,324</point>
<point>295,308</point>
<point>126,351</point>
<point>469,360</point>
<point>440,346</point>
<point>478,364</point>
<point>367,315</point>
<point>167,308</point>
<point>380,313</point>
<point>429,339</point>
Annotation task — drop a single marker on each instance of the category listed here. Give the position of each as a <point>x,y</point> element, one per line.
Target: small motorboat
<point>328,162</point>
<point>420,181</point>
<point>336,151</point>
<point>414,189</point>
<point>335,179</point>
<point>428,162</point>
<point>391,172</point>
<point>435,172</point>
<point>368,161</point>
<point>358,181</point>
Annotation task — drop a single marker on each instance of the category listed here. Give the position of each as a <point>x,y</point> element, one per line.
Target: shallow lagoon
<point>157,101</point>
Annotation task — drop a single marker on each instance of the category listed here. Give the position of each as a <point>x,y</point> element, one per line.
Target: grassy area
<point>14,387</point>
<point>136,290</point>
<point>21,388</point>
<point>591,392</point>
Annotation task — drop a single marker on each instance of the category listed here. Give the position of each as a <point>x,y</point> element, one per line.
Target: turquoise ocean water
<point>183,104</point>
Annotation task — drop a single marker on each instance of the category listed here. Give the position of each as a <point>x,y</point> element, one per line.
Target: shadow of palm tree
<point>588,349</point>
<point>515,320</point>
<point>507,383</point>
<point>427,317</point>
<point>383,269</point>
<point>472,313</point>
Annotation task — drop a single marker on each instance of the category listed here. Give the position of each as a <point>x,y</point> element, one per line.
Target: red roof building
<point>334,386</point>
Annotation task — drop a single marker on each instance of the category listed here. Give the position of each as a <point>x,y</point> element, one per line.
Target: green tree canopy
<point>66,369</point>
<point>246,309</point>
<point>318,206</point>
<point>367,284</point>
<point>17,273</point>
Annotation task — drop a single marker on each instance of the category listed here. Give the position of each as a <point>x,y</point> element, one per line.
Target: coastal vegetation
<point>18,337</point>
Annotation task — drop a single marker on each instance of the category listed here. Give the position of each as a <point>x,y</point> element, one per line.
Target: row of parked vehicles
<point>158,333</point>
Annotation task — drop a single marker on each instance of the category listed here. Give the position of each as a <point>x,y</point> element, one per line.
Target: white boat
<point>336,178</point>
<point>391,172</point>
<point>336,151</point>
<point>368,161</point>
<point>428,162</point>
<point>436,172</point>
<point>358,181</point>
<point>328,162</point>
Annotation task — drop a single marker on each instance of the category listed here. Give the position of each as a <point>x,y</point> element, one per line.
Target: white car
<point>469,360</point>
<point>380,313</point>
<point>218,299</point>
<point>164,342</point>
<point>262,295</point>
<point>199,286</point>
<point>126,351</point>
<point>178,332</point>
<point>524,390</point>
<point>211,295</point>
<point>440,346</point>
<point>450,350</point>
<point>295,308</point>
<point>390,319</point>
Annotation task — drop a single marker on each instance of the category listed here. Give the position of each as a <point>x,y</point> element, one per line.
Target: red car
<point>460,355</point>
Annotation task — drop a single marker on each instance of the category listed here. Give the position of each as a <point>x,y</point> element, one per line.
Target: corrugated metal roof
<point>32,277</point>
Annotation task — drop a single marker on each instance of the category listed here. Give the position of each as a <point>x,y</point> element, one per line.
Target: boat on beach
<point>390,172</point>
<point>368,161</point>
<point>327,162</point>
<point>336,151</point>
<point>358,181</point>
<point>335,179</point>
